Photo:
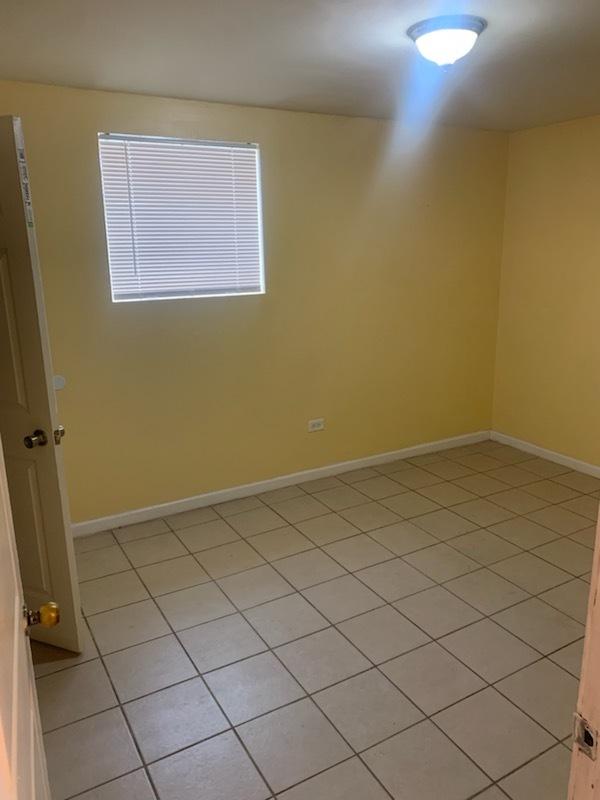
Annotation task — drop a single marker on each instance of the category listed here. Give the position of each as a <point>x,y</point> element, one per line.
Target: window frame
<point>193,294</point>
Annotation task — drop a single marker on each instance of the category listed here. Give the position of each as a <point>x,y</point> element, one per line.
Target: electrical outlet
<point>316,424</point>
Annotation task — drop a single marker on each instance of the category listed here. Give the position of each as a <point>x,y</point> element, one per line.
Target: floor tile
<point>449,470</point>
<point>514,476</point>
<point>551,491</point>
<point>112,591</point>
<point>133,786</point>
<point>441,563</point>
<point>482,512</point>
<point>127,626</point>
<point>377,488</point>
<point>579,482</point>
<point>542,626</point>
<point>147,667</point>
<point>530,689</point>
<point>154,548</point>
<point>231,507</point>
<point>47,659</point>
<point>320,484</point>
<point>447,494</point>
<point>523,532</point>
<point>342,497</point>
<point>510,741</point>
<point>394,579</point>
<point>139,530</point>
<point>370,516</point>
<point>486,591</point>
<point>278,495</point>
<point>221,642</point>
<point>493,793</point>
<point>559,519</point>
<point>432,678</point>
<point>586,537</point>
<point>389,467</point>
<point>547,776</point>
<point>174,718</point>
<point>350,780</point>
<point>185,519</point>
<point>285,619</point>
<point>83,544</point>
<point>409,504</point>
<point>247,589</point>
<point>342,598</point>
<point>207,535</point>
<point>97,563</point>
<point>489,650</point>
<point>74,693</point>
<point>584,506</point>
<point>444,524</point>
<point>571,598</point>
<point>280,543</point>
<point>437,611</point>
<point>309,568</point>
<point>480,462</point>
<point>366,709</point>
<point>422,764</point>
<point>357,552</point>
<point>403,537</point>
<point>530,572</point>
<point>484,547</point>
<point>292,744</point>
<point>258,520</point>
<point>426,459</point>
<point>195,605</point>
<point>570,657</point>
<point>326,529</point>
<point>356,475</point>
<point>415,478</point>
<point>172,575</point>
<point>321,659</point>
<point>252,687</point>
<point>382,634</point>
<point>300,508</point>
<point>229,559</point>
<point>544,468</point>
<point>220,766</point>
<point>569,556</point>
<point>481,485</point>
<point>89,752</point>
<point>517,501</point>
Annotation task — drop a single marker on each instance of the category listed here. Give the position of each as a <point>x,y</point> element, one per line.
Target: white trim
<point>550,455</point>
<point>222,495</point>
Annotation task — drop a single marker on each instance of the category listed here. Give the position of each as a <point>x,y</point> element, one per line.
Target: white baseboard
<point>550,455</point>
<point>222,495</point>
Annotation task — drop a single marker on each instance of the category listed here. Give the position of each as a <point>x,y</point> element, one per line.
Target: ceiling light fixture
<point>444,40</point>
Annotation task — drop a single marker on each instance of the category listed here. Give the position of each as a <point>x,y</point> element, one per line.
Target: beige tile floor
<point>411,631</point>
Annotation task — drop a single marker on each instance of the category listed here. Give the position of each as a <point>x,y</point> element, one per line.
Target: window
<point>183,217</point>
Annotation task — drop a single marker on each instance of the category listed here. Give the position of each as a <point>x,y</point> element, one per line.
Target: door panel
<point>35,476</point>
<point>23,774</point>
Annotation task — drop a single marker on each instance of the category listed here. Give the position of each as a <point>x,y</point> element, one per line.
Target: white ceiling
<point>538,61</point>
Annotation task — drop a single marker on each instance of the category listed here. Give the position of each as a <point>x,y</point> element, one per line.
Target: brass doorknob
<point>37,439</point>
<point>47,615</point>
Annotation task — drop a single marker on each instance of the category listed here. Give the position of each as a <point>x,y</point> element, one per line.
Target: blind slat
<point>183,218</point>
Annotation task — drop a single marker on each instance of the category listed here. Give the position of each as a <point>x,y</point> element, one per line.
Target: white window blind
<point>183,218</point>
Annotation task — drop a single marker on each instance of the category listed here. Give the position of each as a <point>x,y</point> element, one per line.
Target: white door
<point>23,773</point>
<point>27,405</point>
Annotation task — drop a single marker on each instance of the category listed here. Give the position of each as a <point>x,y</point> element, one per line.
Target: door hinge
<point>585,737</point>
<point>58,434</point>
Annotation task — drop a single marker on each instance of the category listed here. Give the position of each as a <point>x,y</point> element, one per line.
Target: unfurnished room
<point>299,412</point>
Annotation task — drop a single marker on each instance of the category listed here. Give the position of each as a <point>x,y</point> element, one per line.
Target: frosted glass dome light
<point>444,40</point>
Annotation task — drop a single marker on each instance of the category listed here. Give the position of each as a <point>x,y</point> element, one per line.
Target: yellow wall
<point>382,263</point>
<point>548,357</point>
